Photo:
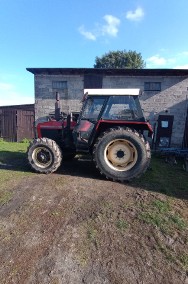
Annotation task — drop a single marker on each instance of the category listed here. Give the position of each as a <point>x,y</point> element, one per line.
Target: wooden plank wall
<point>16,124</point>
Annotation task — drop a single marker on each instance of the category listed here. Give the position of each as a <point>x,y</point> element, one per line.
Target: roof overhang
<point>108,72</point>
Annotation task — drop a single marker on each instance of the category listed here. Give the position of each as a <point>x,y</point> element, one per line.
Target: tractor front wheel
<point>121,154</point>
<point>44,155</point>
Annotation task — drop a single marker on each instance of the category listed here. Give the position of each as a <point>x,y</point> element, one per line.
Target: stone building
<point>164,95</point>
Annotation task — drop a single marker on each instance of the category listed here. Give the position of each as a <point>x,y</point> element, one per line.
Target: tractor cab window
<point>122,108</point>
<point>92,108</point>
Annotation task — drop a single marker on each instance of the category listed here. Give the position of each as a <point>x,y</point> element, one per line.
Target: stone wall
<point>45,95</point>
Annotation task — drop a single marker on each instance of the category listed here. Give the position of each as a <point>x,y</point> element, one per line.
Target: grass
<point>12,152</point>
<point>160,214</point>
<point>184,260</point>
<point>13,165</point>
<point>164,178</point>
<point>5,197</point>
<point>92,234</point>
<point>122,225</point>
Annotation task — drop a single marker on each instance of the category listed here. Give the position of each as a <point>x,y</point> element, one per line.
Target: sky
<point>71,33</point>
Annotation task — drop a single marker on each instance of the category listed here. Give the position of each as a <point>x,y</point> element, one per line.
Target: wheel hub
<point>120,155</point>
<point>42,157</point>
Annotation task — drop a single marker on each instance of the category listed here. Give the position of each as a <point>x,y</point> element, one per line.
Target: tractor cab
<point>113,104</point>
<point>104,108</point>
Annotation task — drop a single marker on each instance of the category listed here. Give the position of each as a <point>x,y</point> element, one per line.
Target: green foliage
<point>120,59</point>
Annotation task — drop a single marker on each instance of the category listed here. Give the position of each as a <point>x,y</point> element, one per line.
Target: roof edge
<point>108,72</point>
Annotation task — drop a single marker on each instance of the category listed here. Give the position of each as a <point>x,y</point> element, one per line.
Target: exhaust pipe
<point>57,108</point>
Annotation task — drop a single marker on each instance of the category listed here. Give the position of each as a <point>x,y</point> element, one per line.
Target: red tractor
<point>110,127</point>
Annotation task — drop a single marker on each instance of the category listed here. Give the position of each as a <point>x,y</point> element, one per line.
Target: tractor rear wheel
<point>121,154</point>
<point>44,155</point>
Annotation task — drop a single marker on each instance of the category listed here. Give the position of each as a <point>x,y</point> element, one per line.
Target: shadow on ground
<point>84,167</point>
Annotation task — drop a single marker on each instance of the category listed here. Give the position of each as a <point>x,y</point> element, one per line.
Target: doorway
<point>164,131</point>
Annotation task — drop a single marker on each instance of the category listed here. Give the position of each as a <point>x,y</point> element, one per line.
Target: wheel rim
<point>120,155</point>
<point>42,157</point>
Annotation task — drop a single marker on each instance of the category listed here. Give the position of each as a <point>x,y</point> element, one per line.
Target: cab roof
<point>114,92</point>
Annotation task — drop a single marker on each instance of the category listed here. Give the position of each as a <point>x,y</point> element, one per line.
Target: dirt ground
<point>75,227</point>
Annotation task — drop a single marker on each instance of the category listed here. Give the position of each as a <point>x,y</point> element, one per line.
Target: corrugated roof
<point>108,72</point>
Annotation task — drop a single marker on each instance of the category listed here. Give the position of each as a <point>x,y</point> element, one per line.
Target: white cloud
<point>10,96</point>
<point>136,15</point>
<point>87,34</point>
<point>110,28</point>
<point>156,60</point>
<point>181,67</point>
<point>177,61</point>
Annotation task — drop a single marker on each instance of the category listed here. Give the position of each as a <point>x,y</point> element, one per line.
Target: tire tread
<point>131,131</point>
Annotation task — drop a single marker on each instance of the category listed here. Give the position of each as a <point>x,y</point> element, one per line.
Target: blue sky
<point>71,33</point>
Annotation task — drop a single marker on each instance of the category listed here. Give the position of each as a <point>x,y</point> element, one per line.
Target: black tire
<point>121,154</point>
<point>44,155</point>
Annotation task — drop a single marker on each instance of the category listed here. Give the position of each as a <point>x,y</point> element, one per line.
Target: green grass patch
<point>164,178</point>
<point>160,214</point>
<point>92,232</point>
<point>178,221</point>
<point>13,164</point>
<point>12,152</point>
<point>5,197</point>
<point>184,260</point>
<point>162,206</point>
<point>122,225</point>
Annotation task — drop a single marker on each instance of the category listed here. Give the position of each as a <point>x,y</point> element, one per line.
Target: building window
<point>60,85</point>
<point>152,86</point>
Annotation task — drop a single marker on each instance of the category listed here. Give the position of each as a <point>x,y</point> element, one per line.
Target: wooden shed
<point>17,122</point>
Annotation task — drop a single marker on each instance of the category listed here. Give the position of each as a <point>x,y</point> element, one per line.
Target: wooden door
<point>25,124</point>
<point>8,124</point>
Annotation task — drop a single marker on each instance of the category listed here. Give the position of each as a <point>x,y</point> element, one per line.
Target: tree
<point>120,59</point>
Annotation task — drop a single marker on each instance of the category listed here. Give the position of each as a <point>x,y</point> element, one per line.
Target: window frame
<point>56,85</point>
<point>152,86</point>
